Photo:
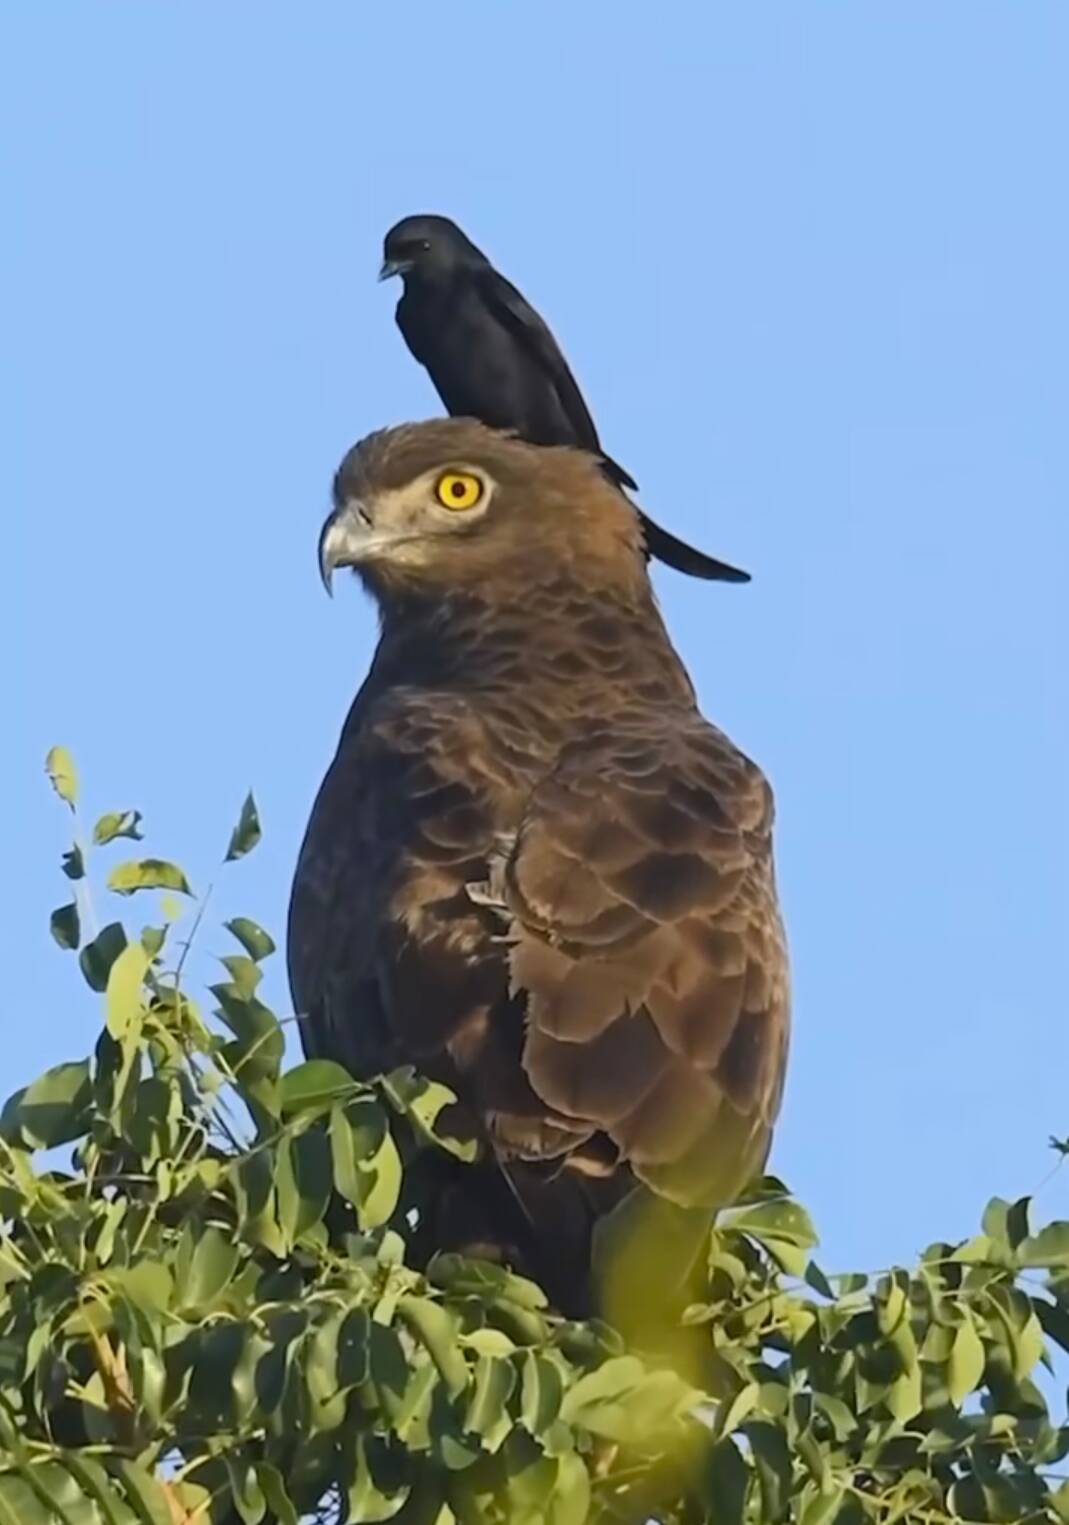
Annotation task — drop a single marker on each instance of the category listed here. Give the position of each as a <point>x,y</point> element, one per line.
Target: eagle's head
<point>432,508</point>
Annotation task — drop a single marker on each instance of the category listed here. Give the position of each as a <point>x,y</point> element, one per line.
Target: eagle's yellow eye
<point>458,489</point>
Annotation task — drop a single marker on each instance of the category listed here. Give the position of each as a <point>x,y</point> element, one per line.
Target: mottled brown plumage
<point>533,869</point>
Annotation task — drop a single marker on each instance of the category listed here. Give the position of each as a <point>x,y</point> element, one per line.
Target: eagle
<point>533,870</point>
<point>491,357</point>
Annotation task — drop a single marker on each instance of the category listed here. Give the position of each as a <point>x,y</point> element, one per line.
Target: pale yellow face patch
<point>410,519</point>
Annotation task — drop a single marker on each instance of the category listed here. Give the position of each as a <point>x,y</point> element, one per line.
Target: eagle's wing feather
<point>631,982</point>
<point>385,947</point>
<point>651,953</point>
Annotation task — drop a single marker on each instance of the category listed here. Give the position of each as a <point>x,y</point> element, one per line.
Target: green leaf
<point>728,1482</point>
<point>218,1380</point>
<point>256,942</point>
<point>839,1416</point>
<point>65,927</point>
<point>1030,1346</point>
<point>124,1001</point>
<point>732,1414</point>
<point>1006,1221</point>
<point>1054,1318</point>
<point>384,1176</point>
<point>1024,1333</point>
<point>981,1249</point>
<point>358,1134</point>
<point>480,1278</point>
<point>661,1401</point>
<point>313,1085</point>
<point>256,1055</point>
<point>821,1508</point>
<point>425,1101</point>
<point>73,863</point>
<point>782,1227</point>
<point>47,1495</point>
<point>245,1490</point>
<point>118,823</point>
<point>149,1285</point>
<point>62,774</point>
<point>542,1388</point>
<point>274,1491</point>
<point>18,1506</point>
<point>819,1282</point>
<point>436,1328</point>
<point>904,1396</point>
<point>347,1179</point>
<point>303,1182</point>
<point>246,833</point>
<point>354,1349</point>
<point>53,1110</point>
<point>772,1462</point>
<point>320,1357</point>
<point>530,1485</point>
<point>1049,1248</point>
<point>891,1306</point>
<point>152,940</point>
<point>194,1500</point>
<point>966,1364</point>
<point>211,1268</point>
<point>607,1383</point>
<point>570,1501</point>
<point>993,1221</point>
<point>487,1415</point>
<point>1059,1501</point>
<point>98,1489</point>
<point>373,1490</point>
<point>389,1365</point>
<point>490,1341</point>
<point>782,1218</point>
<point>147,874</point>
<point>97,957</point>
<point>55,1106</point>
<point>244,972</point>
<point>1017,1220</point>
<point>143,1491</point>
<point>622,1401</point>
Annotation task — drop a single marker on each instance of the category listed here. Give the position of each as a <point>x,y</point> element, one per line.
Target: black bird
<point>491,357</point>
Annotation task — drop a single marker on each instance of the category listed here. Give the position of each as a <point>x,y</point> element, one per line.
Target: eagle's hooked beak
<point>342,539</point>
<point>328,553</point>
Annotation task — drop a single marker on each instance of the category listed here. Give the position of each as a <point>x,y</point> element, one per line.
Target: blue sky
<point>809,263</point>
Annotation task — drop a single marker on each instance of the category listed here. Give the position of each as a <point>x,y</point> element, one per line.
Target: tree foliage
<point>208,1310</point>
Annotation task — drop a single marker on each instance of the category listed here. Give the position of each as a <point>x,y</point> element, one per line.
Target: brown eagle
<point>533,870</point>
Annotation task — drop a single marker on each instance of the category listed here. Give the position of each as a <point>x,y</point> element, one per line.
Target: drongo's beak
<point>391,267</point>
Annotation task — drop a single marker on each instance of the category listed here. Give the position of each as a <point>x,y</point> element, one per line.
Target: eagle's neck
<point>591,652</point>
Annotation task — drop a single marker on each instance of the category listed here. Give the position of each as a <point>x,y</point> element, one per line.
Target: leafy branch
<point>215,1311</point>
